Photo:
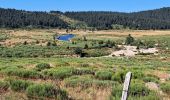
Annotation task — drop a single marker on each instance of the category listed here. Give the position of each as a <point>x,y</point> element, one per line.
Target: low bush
<point>150,79</point>
<point>75,81</point>
<point>22,73</point>
<point>97,52</point>
<point>137,74</point>
<point>138,89</point>
<point>119,76</point>
<point>165,87</point>
<point>3,86</point>
<point>82,71</point>
<point>116,92</point>
<point>104,75</point>
<point>19,85</point>
<point>46,91</point>
<point>59,73</point>
<point>85,65</point>
<point>86,82</point>
<point>42,66</point>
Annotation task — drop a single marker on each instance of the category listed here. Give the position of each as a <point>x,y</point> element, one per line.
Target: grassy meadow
<point>35,66</point>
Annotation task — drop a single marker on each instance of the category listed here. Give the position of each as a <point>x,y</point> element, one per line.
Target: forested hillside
<point>17,19</point>
<point>152,19</point>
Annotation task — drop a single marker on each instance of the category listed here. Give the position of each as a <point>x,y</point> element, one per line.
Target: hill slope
<point>151,19</point>
<point>18,18</point>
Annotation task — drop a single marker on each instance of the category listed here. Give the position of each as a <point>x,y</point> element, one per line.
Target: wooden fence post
<point>126,86</point>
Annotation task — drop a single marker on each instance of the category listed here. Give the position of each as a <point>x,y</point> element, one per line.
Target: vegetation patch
<point>150,79</point>
<point>23,73</point>
<point>19,85</point>
<point>104,75</point>
<point>119,76</point>
<point>137,91</point>
<point>42,66</point>
<point>3,86</point>
<point>46,91</point>
<point>83,71</point>
<point>86,82</point>
<point>58,73</point>
<point>165,87</point>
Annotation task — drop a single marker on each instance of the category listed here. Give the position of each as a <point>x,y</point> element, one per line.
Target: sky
<point>85,5</point>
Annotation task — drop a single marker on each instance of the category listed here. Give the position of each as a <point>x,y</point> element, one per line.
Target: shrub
<point>85,65</point>
<point>82,71</point>
<point>46,90</point>
<point>138,89</point>
<point>96,52</point>
<point>129,39</point>
<point>59,73</point>
<point>3,86</point>
<point>150,79</point>
<point>48,43</point>
<point>19,85</point>
<point>104,75</point>
<point>76,81</point>
<point>137,74</point>
<point>85,82</point>
<point>78,51</point>
<point>86,46</point>
<point>37,42</point>
<point>165,87</point>
<point>25,43</point>
<point>42,66</point>
<point>116,92</point>
<point>22,73</point>
<point>119,76</point>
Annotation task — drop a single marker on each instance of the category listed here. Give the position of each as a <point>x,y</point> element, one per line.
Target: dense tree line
<point>18,18</point>
<point>152,19</point>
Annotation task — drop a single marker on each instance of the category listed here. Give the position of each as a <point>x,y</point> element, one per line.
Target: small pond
<point>66,37</point>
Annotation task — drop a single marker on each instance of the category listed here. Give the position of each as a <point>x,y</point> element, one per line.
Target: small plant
<point>37,42</point>
<point>137,74</point>
<point>22,73</point>
<point>25,43</point>
<point>86,46</point>
<point>78,51</point>
<point>129,40</point>
<point>104,75</point>
<point>150,79</point>
<point>42,66</point>
<point>59,73</point>
<point>119,76</point>
<point>19,85</point>
<point>84,38</point>
<point>138,89</point>
<point>82,71</point>
<point>3,86</point>
<point>48,43</point>
<point>46,90</point>
<point>54,43</point>
<point>116,92</point>
<point>165,87</point>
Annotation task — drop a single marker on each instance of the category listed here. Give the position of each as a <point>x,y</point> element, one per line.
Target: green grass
<point>166,87</point>
<point>19,85</point>
<point>46,90</point>
<point>32,63</point>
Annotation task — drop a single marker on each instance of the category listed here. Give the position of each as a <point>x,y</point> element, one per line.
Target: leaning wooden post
<point>126,86</point>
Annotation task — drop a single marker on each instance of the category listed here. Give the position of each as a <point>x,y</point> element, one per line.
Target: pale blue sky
<point>85,5</point>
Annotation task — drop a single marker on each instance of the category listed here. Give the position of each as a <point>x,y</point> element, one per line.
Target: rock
<point>152,86</point>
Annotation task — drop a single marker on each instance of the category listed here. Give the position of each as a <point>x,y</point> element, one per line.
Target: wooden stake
<point>126,86</point>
